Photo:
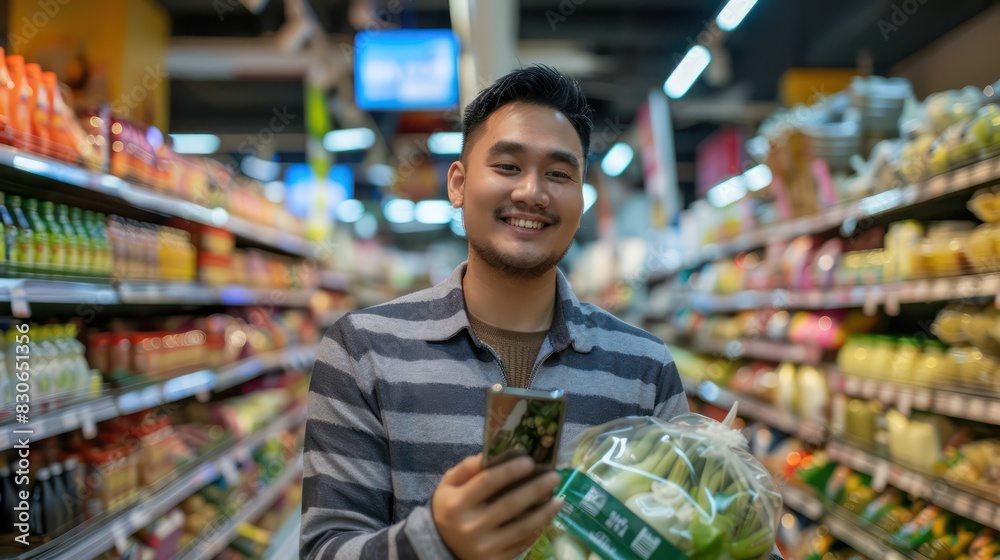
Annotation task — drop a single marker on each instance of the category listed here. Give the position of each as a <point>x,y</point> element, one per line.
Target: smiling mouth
<point>527,224</point>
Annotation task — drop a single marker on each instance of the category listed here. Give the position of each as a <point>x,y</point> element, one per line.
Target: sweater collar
<point>448,300</point>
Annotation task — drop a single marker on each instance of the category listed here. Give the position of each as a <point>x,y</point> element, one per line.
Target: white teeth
<point>525,223</point>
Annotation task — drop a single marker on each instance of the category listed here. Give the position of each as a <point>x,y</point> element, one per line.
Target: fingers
<point>521,499</point>
<point>490,481</point>
<point>464,470</point>
<point>531,525</point>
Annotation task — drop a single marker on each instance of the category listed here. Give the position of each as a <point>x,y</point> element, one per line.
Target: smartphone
<point>523,422</point>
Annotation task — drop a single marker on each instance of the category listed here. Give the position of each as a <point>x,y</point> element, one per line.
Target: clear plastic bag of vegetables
<point>641,488</point>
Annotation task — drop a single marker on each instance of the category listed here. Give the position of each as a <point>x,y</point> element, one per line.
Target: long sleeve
<point>347,498</point>
<point>670,398</point>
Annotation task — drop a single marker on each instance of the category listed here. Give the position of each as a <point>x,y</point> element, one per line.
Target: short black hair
<point>536,85</point>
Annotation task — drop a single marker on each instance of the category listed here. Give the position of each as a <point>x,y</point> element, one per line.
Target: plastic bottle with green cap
<point>57,238</point>
<point>24,247</point>
<point>43,249</point>
<point>8,240</point>
<point>104,244</point>
<point>95,227</point>
<point>86,259</point>
<point>72,239</point>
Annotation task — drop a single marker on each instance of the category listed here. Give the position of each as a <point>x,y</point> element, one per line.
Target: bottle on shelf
<point>95,223</point>
<point>39,495</point>
<point>38,103</point>
<point>7,383</point>
<point>19,98</point>
<point>87,246</point>
<point>63,503</point>
<point>9,493</point>
<point>8,237</point>
<point>73,242</point>
<point>72,480</point>
<point>24,259</point>
<point>5,84</point>
<point>58,241</point>
<point>43,247</point>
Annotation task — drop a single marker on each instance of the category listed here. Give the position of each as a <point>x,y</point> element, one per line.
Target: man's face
<point>520,187</point>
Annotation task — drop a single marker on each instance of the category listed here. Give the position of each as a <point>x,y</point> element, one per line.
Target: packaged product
<point>641,487</point>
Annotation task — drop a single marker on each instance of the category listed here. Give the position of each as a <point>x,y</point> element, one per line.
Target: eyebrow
<point>511,147</point>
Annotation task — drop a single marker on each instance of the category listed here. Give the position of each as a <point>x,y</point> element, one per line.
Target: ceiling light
<point>732,14</point>
<point>758,177</point>
<point>398,211</point>
<point>196,143</point>
<point>617,159</point>
<point>350,210</point>
<point>727,192</point>
<point>260,169</point>
<point>275,192</point>
<point>366,227</point>
<point>380,174</point>
<point>691,66</point>
<point>445,143</point>
<point>434,211</point>
<point>349,139</point>
<point>589,196</point>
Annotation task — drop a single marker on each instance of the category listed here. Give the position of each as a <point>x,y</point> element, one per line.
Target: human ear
<point>456,184</point>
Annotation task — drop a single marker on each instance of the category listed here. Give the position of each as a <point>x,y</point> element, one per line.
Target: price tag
<point>961,178</point>
<point>19,305</point>
<point>937,186</point>
<point>886,393</point>
<point>922,399</point>
<point>942,289</point>
<point>904,402</point>
<point>880,478</point>
<point>868,388</point>
<point>228,470</point>
<point>982,172</point>
<point>994,414</point>
<point>120,539</point>
<point>852,385</point>
<point>921,290</point>
<point>68,421</point>
<point>892,303</point>
<point>984,513</point>
<point>962,505</point>
<point>871,301</point>
<point>88,424</point>
<point>977,409</point>
<point>956,404</point>
<point>139,518</point>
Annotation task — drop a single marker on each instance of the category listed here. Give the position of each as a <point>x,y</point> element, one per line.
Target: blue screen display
<point>406,70</point>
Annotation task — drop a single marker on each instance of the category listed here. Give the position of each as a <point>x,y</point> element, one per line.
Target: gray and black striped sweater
<point>398,397</point>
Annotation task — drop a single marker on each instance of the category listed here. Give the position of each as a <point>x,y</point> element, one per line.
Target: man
<point>397,402</point>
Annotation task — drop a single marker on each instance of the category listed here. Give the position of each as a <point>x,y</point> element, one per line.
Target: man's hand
<point>477,524</point>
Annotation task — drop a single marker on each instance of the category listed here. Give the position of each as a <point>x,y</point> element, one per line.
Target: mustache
<point>553,218</point>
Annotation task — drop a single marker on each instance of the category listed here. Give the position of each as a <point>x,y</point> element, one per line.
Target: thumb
<point>465,470</point>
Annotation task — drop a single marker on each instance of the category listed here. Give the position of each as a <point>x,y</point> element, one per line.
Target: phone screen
<point>523,422</point>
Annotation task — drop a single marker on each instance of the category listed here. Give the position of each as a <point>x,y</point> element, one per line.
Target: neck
<point>513,304</point>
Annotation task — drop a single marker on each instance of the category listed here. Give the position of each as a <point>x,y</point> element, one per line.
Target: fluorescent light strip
<point>758,177</point>
<point>445,143</point>
<point>617,159</point>
<point>398,211</point>
<point>196,143</point>
<point>727,192</point>
<point>732,14</point>
<point>349,140</point>
<point>684,76</point>
<point>434,212</point>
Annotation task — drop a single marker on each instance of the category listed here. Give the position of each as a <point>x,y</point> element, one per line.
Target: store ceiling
<point>629,47</point>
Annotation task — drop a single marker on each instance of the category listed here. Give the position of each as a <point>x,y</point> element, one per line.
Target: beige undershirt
<point>517,350</point>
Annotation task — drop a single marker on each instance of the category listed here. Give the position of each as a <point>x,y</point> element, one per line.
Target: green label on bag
<point>605,525</point>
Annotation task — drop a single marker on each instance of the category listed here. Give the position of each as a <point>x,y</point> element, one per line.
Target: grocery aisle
<point>801,200</point>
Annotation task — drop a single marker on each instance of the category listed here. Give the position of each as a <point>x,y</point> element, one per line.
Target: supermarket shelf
<point>145,199</point>
<point>256,507</point>
<point>285,541</point>
<point>113,532</point>
<point>22,293</point>
<point>856,536</point>
<point>335,281</point>
<point>888,295</point>
<point>937,490</point>
<point>760,349</point>
<point>967,177</point>
<point>198,294</point>
<point>87,414</point>
<point>975,407</point>
<point>750,407</point>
